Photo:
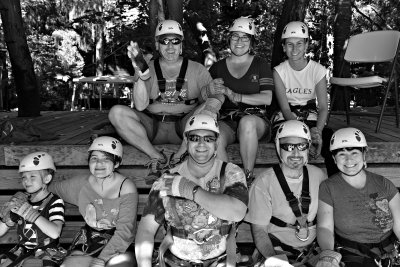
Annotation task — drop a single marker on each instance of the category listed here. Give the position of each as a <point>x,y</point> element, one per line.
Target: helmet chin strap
<point>351,175</point>
<point>204,163</point>
<point>107,176</point>
<point>241,54</point>
<point>34,194</point>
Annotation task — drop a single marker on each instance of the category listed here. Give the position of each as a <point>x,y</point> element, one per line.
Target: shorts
<point>233,123</point>
<point>163,129</point>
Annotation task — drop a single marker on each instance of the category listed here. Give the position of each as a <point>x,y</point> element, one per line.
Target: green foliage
<point>62,41</point>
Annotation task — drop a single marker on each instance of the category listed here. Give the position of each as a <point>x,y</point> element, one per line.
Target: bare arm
<point>262,241</point>
<point>125,224</point>
<point>141,95</point>
<point>394,206</point>
<point>280,92</point>
<point>144,242</point>
<point>322,99</point>
<point>228,208</point>
<point>325,226</point>
<point>51,229</point>
<point>262,98</point>
<point>3,228</point>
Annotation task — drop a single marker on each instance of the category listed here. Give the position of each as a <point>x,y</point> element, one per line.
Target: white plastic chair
<point>371,47</point>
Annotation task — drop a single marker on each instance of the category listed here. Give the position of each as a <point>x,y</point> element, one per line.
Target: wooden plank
<point>10,178</point>
<point>72,210</point>
<point>71,228</point>
<point>367,126</point>
<point>76,155</point>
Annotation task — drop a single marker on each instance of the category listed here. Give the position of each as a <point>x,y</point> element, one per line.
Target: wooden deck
<point>75,127</point>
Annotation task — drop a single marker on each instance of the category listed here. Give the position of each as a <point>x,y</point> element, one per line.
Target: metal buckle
<point>200,237</point>
<point>252,111</point>
<point>298,227</point>
<point>196,264</point>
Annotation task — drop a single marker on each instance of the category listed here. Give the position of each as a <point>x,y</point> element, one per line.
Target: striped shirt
<point>29,234</point>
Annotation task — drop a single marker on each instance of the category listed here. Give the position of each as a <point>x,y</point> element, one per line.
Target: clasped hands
<point>316,142</point>
<point>217,87</point>
<point>19,204</point>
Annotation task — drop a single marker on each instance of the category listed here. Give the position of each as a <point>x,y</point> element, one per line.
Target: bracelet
<point>194,191</point>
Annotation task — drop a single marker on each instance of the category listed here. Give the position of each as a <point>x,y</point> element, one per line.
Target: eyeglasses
<point>198,138</point>
<point>166,41</point>
<point>244,38</point>
<point>290,147</point>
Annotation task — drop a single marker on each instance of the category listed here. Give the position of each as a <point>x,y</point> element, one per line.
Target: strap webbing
<point>366,248</point>
<point>292,200</point>
<point>179,81</point>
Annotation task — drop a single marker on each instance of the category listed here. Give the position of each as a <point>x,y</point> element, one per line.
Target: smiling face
<point>169,51</point>
<point>350,161</point>
<point>32,181</point>
<point>101,165</point>
<point>294,159</point>
<point>239,43</point>
<point>295,48</point>
<point>201,145</point>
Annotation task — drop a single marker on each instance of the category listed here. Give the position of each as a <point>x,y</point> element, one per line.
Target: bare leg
<point>226,137</point>
<point>251,129</point>
<point>131,129</point>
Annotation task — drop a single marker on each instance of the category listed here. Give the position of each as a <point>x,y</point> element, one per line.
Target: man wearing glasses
<point>198,202</point>
<point>167,92</point>
<point>283,200</point>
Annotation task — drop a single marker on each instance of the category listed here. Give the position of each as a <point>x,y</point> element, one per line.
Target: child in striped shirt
<point>38,214</point>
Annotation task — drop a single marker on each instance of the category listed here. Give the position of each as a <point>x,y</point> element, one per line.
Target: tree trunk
<point>175,10</point>
<point>21,61</point>
<point>292,10</point>
<point>341,32</point>
<point>199,29</point>
<point>153,16</point>
<point>99,37</point>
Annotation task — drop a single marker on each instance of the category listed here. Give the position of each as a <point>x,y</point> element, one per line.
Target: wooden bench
<point>383,158</point>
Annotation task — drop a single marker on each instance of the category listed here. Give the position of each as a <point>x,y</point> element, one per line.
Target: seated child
<point>37,214</point>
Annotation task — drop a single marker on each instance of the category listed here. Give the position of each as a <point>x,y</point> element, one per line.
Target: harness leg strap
<point>164,246</point>
<point>231,247</point>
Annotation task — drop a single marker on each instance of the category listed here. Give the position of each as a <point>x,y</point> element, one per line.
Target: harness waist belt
<point>363,246</point>
<point>174,261</point>
<point>305,107</point>
<point>278,222</point>
<point>182,233</point>
<point>167,118</point>
<point>186,102</point>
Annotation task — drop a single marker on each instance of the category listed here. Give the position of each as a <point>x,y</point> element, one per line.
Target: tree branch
<point>365,16</point>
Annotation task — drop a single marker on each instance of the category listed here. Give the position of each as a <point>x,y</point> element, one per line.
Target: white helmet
<point>107,144</point>
<point>291,128</point>
<point>296,29</point>
<point>243,24</point>
<point>37,161</point>
<point>347,137</point>
<point>201,122</point>
<point>168,27</point>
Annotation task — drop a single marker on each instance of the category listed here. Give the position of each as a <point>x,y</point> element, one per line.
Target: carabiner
<point>300,238</point>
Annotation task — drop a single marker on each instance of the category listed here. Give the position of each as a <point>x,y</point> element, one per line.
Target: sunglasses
<point>235,37</point>
<point>290,147</point>
<point>198,138</point>
<point>166,41</point>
